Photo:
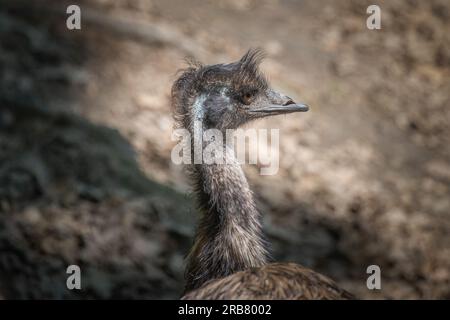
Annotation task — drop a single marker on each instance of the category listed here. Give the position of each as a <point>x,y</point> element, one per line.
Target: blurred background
<point>85,141</point>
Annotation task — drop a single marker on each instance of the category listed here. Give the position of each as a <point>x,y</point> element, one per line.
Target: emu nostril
<point>288,101</point>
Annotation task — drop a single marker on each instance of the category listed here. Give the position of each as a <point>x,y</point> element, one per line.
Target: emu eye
<point>247,97</point>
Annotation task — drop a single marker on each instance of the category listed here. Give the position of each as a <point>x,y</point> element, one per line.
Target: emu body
<point>229,258</point>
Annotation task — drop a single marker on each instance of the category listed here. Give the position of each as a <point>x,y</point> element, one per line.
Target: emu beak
<point>280,104</point>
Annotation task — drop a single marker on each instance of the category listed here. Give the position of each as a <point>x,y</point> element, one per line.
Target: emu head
<point>226,96</point>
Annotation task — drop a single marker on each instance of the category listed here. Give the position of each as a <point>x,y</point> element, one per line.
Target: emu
<point>229,257</point>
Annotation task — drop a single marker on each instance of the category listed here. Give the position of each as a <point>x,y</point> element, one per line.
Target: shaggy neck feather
<point>229,237</point>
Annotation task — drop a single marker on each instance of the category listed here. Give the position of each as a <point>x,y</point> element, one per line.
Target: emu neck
<point>228,237</point>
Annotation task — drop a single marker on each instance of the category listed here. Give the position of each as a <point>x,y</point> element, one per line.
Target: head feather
<point>252,59</point>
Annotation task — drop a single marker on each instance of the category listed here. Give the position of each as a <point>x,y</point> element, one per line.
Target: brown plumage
<point>275,281</point>
<point>229,256</point>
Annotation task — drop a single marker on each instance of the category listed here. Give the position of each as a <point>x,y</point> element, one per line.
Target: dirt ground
<point>85,140</point>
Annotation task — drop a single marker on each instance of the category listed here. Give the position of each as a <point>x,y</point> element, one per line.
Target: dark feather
<point>277,281</point>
